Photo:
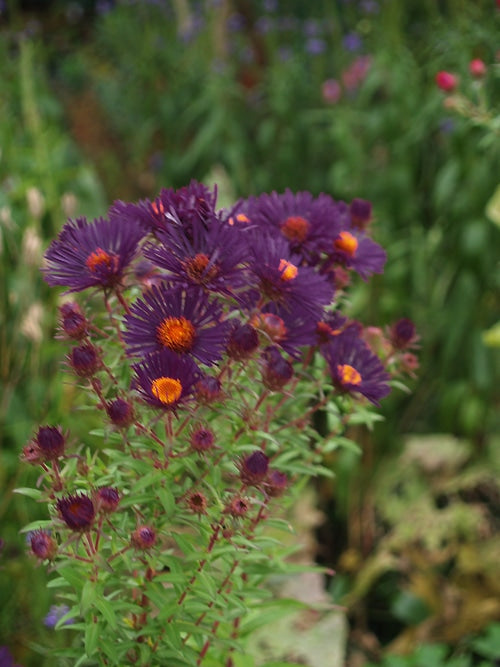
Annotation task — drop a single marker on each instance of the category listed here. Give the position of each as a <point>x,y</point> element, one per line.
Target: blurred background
<point>103,100</point>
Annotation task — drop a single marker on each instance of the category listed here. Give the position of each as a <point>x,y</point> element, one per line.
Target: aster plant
<point>207,340</point>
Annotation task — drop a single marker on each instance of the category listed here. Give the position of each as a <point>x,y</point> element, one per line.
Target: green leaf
<point>87,597</point>
<point>107,611</point>
<point>92,631</point>
<point>27,491</point>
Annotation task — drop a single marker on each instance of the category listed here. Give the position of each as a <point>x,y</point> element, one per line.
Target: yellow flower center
<point>166,390</point>
<point>346,242</point>
<point>348,374</point>
<point>176,333</point>
<point>288,270</point>
<point>295,228</point>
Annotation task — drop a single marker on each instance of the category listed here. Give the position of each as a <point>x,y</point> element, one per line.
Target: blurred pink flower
<point>477,68</point>
<point>331,91</point>
<point>355,74</point>
<point>446,81</point>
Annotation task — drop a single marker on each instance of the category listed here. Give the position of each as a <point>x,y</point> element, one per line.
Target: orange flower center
<point>295,228</point>
<point>176,333</point>
<point>241,217</point>
<point>166,390</point>
<point>288,270</point>
<point>100,259</point>
<point>196,268</point>
<point>158,207</point>
<point>348,374</point>
<point>324,331</point>
<point>346,242</point>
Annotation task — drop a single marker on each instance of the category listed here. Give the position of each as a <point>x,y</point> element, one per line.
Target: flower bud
<point>107,499</point>
<point>197,503</point>
<point>77,511</point>
<point>202,439</point>
<point>238,507</point>
<point>276,483</point>
<point>361,213</point>
<point>276,370</point>
<point>253,468</point>
<point>120,412</point>
<point>208,389</point>
<point>446,81</point>
<point>477,68</point>
<point>143,537</point>
<point>402,334</point>
<point>85,360</point>
<point>73,321</point>
<point>51,441</point>
<point>243,341</point>
<point>43,545</point>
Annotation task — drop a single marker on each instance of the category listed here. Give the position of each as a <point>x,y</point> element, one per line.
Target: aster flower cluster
<point>219,337</point>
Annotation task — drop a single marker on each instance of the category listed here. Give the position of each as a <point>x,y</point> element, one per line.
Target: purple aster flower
<point>56,612</point>
<point>164,380</point>
<point>308,223</point>
<point>208,258</point>
<point>354,367</point>
<point>194,202</point>
<point>281,278</point>
<point>92,254</point>
<point>180,320</point>
<point>357,251</point>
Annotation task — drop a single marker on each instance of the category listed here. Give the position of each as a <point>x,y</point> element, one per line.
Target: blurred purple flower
<point>311,28</point>
<point>56,612</point>
<point>264,25</point>
<point>370,6</point>
<point>352,42</point>
<point>447,125</point>
<point>285,53</point>
<point>6,659</point>
<point>270,5</point>
<point>236,22</point>
<point>315,46</point>
<point>287,23</point>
